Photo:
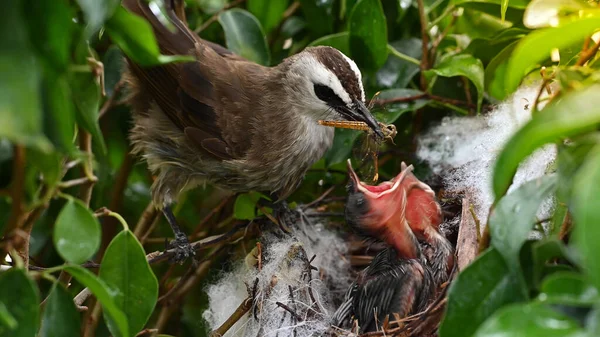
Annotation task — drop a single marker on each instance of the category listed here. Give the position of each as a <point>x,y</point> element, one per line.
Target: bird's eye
<point>327,95</point>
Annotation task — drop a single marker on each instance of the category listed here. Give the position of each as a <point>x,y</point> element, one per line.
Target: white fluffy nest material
<point>287,278</point>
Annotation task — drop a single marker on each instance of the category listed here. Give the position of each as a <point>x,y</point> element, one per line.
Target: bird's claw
<point>183,249</point>
<point>286,217</point>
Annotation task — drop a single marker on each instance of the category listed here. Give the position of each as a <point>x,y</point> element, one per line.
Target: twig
<point>147,217</point>
<point>146,331</point>
<point>319,199</point>
<point>85,143</point>
<point>77,182</point>
<point>436,43</point>
<point>215,17</point>
<point>587,54</point>
<point>17,191</point>
<point>111,102</point>
<point>210,214</point>
<point>382,102</point>
<point>288,309</point>
<point>425,44</point>
<point>241,310</point>
<point>467,91</point>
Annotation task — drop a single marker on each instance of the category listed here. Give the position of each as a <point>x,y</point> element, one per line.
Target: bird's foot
<point>182,249</point>
<point>286,217</point>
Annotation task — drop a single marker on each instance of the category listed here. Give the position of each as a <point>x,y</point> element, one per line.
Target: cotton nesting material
<point>463,151</point>
<point>285,277</point>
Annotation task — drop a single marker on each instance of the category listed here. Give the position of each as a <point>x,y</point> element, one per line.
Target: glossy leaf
<point>59,113</point>
<point>268,12</point>
<point>368,34</point>
<point>513,217</point>
<point>495,72</point>
<point>60,317</point>
<point>397,73</point>
<point>569,289</point>
<point>96,12</point>
<point>244,35</point>
<point>133,286</point>
<point>574,113</point>
<point>469,305</point>
<point>135,37</point>
<point>586,213</point>
<point>7,320</point>
<point>528,320</point>
<point>339,41</point>
<point>20,108</point>
<point>114,64</point>
<point>51,31</point>
<point>105,297</point>
<point>537,46</point>
<point>502,9</point>
<point>319,15</point>
<point>86,94</point>
<point>462,65</point>
<point>244,207</point>
<point>76,232</point>
<point>545,13</point>
<point>544,251</point>
<point>20,296</point>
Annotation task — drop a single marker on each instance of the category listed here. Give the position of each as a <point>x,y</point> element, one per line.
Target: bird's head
<point>327,85</point>
<point>393,210</point>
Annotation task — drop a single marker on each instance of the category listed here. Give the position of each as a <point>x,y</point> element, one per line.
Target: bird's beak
<point>362,114</point>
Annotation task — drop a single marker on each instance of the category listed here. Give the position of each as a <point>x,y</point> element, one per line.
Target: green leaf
<point>114,64</point>
<point>104,296</point>
<point>244,207</point>
<point>513,217</point>
<point>572,114</point>
<point>488,48</point>
<point>509,10</point>
<point>59,112</point>
<point>461,65</point>
<point>495,73</point>
<point>268,12</point>
<point>368,34</point>
<point>244,35</point>
<point>7,320</point>
<point>86,94</point>
<point>568,288</point>
<point>20,296</point>
<point>60,318</point>
<point>396,72</point>
<point>537,46</point>
<point>76,232</point>
<point>586,213</point>
<point>96,12</point>
<point>339,41</point>
<point>51,31</point>
<point>20,108</point>
<point>133,286</point>
<point>320,16</point>
<point>469,305</point>
<point>531,319</point>
<point>544,13</point>
<point>544,251</point>
<point>135,37</point>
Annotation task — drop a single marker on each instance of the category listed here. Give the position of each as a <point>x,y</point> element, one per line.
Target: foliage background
<point>64,154</point>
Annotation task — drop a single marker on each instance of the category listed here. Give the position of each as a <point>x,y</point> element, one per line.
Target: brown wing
<point>189,93</point>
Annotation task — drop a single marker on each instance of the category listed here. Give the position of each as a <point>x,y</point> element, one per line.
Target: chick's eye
<point>327,95</point>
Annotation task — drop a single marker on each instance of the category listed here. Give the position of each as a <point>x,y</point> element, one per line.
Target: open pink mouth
<point>384,188</point>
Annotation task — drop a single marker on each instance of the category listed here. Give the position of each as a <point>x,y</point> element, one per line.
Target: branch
<point>215,17</point>
<point>425,44</point>
<point>587,54</point>
<point>241,310</point>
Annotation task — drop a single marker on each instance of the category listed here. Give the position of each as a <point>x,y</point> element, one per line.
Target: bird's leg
<point>284,215</point>
<point>181,244</point>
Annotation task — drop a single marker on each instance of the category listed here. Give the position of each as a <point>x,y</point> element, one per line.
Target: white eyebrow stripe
<point>321,75</point>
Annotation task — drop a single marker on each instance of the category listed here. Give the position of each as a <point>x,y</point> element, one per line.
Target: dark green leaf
<point>339,41</point>
<point>397,73</point>
<point>268,12</point>
<point>60,318</point>
<point>59,113</point>
<point>462,65</point>
<point>77,232</point>
<point>486,49</point>
<point>20,108</point>
<point>574,113</point>
<point>469,305</point>
<point>537,46</point>
<point>319,16</point>
<point>20,296</point>
<point>530,319</point>
<point>368,34</point>
<point>113,68</point>
<point>7,320</point>
<point>569,289</point>
<point>86,94</point>
<point>244,35</point>
<point>50,31</point>
<point>544,251</point>
<point>586,213</point>
<point>513,217</point>
<point>133,285</point>
<point>96,12</point>
<point>135,37</point>
<point>496,72</point>
<point>104,296</point>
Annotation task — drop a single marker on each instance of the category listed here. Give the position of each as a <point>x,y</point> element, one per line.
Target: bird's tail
<point>173,37</point>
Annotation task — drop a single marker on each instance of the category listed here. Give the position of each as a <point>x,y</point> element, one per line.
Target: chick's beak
<point>362,114</point>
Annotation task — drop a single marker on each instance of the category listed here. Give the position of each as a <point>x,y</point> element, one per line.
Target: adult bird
<point>231,122</point>
<point>397,281</point>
